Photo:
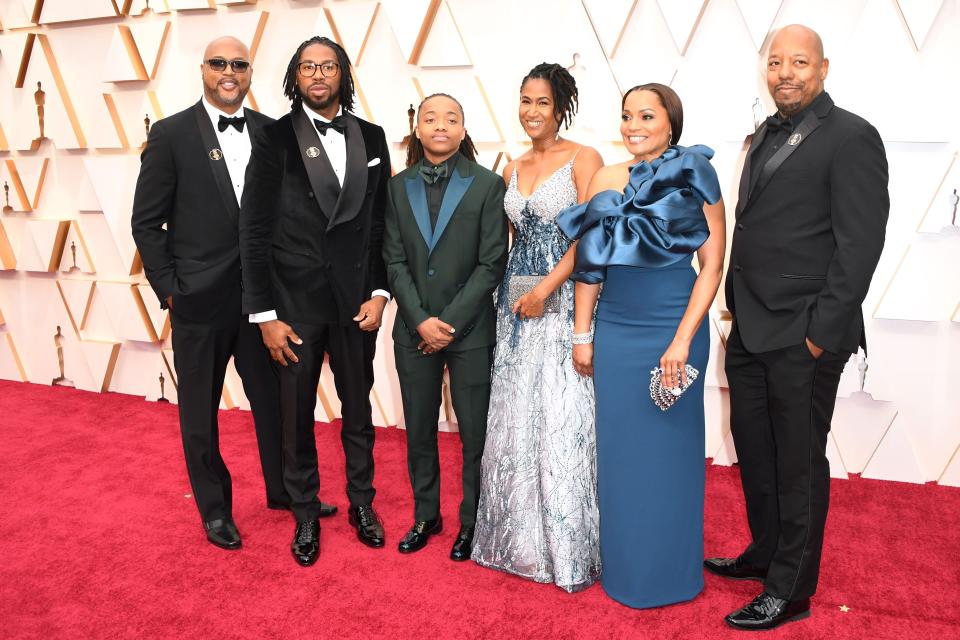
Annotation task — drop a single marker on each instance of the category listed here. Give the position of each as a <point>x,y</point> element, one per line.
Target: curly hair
<point>564,89</point>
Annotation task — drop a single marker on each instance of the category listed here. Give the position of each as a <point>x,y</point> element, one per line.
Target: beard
<point>333,96</point>
<point>787,108</point>
<point>227,101</point>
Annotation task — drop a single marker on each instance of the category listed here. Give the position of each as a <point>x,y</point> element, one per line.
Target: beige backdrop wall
<point>67,258</point>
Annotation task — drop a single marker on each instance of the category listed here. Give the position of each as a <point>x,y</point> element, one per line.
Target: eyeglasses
<point>327,69</point>
<point>219,64</point>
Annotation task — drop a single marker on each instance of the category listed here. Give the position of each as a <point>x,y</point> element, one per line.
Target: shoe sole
<point>800,616</point>
<point>729,577</point>
<point>235,547</point>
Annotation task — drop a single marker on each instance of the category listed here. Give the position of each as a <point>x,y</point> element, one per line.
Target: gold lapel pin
<point>794,140</point>
<point>312,152</point>
<point>215,154</point>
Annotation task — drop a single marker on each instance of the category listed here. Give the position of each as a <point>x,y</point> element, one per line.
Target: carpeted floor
<point>99,539</point>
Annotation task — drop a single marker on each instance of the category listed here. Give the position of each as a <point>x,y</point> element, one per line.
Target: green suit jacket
<point>451,271</point>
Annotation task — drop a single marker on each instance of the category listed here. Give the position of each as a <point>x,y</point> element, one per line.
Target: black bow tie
<point>432,173</point>
<point>775,123</point>
<point>337,124</point>
<point>237,122</point>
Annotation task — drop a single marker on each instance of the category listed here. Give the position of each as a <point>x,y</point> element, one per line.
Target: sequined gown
<point>538,515</point>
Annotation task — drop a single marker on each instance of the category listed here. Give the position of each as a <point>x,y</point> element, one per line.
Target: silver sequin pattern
<point>538,513</point>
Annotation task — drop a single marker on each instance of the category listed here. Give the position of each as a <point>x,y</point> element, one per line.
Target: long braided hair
<point>564,89</point>
<point>415,147</point>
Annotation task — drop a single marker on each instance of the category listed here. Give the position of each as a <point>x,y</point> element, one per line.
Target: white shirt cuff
<point>381,293</point>
<point>263,316</point>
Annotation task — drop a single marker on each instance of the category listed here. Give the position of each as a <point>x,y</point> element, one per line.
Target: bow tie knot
<point>337,124</point>
<point>432,173</point>
<point>775,123</point>
<point>237,123</point>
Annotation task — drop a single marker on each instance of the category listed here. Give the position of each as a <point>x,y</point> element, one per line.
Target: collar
<point>215,113</point>
<point>314,115</point>
<point>451,162</point>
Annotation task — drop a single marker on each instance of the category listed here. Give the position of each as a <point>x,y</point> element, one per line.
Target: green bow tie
<point>433,173</point>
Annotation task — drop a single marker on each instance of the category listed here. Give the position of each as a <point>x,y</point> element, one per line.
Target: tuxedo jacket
<point>450,271</point>
<point>310,249</point>
<point>809,233</point>
<point>184,183</point>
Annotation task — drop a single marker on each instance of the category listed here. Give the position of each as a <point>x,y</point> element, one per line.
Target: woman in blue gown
<point>638,231</point>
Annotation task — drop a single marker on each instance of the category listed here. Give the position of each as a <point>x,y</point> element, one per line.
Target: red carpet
<point>97,540</point>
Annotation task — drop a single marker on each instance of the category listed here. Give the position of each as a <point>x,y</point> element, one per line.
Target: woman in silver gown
<point>538,503</point>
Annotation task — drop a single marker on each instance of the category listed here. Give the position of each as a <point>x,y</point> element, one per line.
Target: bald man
<point>185,224</point>
<point>810,226</point>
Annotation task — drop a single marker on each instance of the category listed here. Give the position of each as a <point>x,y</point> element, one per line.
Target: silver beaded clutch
<point>666,397</point>
<point>522,285</point>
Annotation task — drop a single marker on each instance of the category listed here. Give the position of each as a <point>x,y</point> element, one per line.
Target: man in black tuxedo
<point>191,178</point>
<point>810,225</point>
<point>311,229</point>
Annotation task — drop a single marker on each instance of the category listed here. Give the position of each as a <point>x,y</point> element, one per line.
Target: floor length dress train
<point>538,513</point>
<point>650,463</point>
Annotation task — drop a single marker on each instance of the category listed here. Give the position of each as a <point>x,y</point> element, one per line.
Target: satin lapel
<point>417,197</point>
<point>451,198</point>
<point>744,194</point>
<point>218,164</point>
<point>319,170</point>
<point>807,126</point>
<point>354,189</point>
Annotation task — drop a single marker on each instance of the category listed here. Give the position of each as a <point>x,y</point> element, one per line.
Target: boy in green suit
<point>445,247</point>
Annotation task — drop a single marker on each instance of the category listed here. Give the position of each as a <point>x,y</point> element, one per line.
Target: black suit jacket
<point>452,270</point>
<point>309,249</point>
<point>809,234</point>
<point>184,183</point>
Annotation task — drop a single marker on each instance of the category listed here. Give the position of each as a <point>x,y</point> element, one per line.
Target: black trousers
<point>201,352</point>
<point>421,382</point>
<point>781,404</point>
<point>351,354</point>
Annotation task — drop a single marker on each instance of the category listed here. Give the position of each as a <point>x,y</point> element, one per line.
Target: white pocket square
<point>373,162</point>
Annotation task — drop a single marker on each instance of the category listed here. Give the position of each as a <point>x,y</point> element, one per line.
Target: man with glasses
<point>185,216</point>
<point>311,230</point>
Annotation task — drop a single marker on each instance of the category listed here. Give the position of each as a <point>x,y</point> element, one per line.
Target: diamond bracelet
<point>583,338</point>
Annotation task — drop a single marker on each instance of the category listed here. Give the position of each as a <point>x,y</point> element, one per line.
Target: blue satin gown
<point>650,463</point>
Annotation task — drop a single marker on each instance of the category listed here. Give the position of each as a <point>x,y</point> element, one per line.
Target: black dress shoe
<point>326,510</point>
<point>768,612</point>
<point>417,537</point>
<point>734,568</point>
<point>369,527</point>
<point>463,545</point>
<point>223,533</point>
<point>306,542</point>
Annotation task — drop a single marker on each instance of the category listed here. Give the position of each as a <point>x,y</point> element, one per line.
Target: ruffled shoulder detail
<point>656,221</point>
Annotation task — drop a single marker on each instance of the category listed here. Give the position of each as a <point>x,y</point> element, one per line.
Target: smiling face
<point>319,93</point>
<point>537,115</point>
<point>440,128</point>
<point>796,69</point>
<point>645,125</point>
<point>226,89</point>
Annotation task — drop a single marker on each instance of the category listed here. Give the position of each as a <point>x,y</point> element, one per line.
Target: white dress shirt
<point>235,146</point>
<point>335,145</point>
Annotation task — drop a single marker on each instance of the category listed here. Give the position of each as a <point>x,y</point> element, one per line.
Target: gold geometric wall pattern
<point>72,215</point>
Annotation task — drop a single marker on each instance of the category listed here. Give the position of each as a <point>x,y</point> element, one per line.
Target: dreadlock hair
<point>669,100</point>
<point>290,88</point>
<point>415,147</point>
<point>564,89</point>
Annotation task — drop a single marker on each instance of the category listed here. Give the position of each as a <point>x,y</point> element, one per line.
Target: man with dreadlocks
<point>445,247</point>
<point>311,230</point>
